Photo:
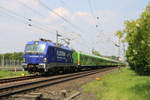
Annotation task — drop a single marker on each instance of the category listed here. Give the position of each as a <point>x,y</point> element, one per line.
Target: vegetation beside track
<point>120,85</point>
<point>10,74</point>
<point>137,34</point>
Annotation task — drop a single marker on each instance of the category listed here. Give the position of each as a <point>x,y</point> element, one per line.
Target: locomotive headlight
<point>45,60</point>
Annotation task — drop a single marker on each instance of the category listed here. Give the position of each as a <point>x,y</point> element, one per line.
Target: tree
<point>137,35</point>
<point>12,56</point>
<point>120,34</point>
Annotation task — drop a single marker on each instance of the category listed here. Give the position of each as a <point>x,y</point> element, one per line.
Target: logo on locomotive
<point>61,53</point>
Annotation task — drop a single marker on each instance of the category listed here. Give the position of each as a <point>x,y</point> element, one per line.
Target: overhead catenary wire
<point>33,10</point>
<point>63,18</point>
<point>64,3</point>
<point>36,26</point>
<point>25,20</point>
<point>50,10</point>
<point>22,19</point>
<point>92,13</point>
<point>14,17</point>
<point>67,6</point>
<point>14,13</point>
<point>91,9</point>
<point>95,18</point>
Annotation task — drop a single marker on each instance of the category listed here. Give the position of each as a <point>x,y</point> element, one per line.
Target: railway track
<point>7,80</point>
<point>18,88</point>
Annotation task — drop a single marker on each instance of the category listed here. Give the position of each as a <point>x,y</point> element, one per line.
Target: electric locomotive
<point>46,56</point>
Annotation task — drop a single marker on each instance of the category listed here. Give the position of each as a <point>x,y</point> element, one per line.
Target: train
<point>45,56</point>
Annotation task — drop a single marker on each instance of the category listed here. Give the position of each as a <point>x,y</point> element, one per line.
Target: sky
<point>90,24</point>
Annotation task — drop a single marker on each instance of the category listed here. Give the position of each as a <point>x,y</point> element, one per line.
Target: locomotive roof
<point>50,44</point>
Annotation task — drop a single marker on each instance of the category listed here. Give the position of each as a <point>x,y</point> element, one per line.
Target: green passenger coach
<point>82,59</point>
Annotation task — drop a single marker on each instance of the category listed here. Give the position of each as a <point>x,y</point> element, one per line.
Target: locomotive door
<point>51,54</point>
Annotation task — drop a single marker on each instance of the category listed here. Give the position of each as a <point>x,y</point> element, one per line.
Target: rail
<point>18,88</point>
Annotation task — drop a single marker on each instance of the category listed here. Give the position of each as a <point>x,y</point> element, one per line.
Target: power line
<point>14,13</point>
<point>92,12</point>
<point>64,3</point>
<point>36,26</point>
<point>91,9</point>
<point>95,18</point>
<point>25,5</point>
<point>28,19</point>
<point>67,6</point>
<point>90,5</point>
<point>63,18</point>
<point>21,19</point>
<point>10,13</point>
<point>15,17</point>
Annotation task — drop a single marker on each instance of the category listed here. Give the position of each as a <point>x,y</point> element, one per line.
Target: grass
<point>9,74</point>
<point>120,85</point>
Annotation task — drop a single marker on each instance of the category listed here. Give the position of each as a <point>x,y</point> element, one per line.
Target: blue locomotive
<point>46,56</point>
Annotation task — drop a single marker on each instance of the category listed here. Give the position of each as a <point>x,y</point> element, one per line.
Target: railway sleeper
<point>31,96</point>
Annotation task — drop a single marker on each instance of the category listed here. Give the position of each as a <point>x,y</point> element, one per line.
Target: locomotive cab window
<point>35,48</point>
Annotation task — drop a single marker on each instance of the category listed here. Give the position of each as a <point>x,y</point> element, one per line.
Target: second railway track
<point>18,88</point>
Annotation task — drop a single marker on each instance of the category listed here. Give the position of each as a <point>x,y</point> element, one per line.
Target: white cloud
<point>60,11</point>
<point>55,14</point>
